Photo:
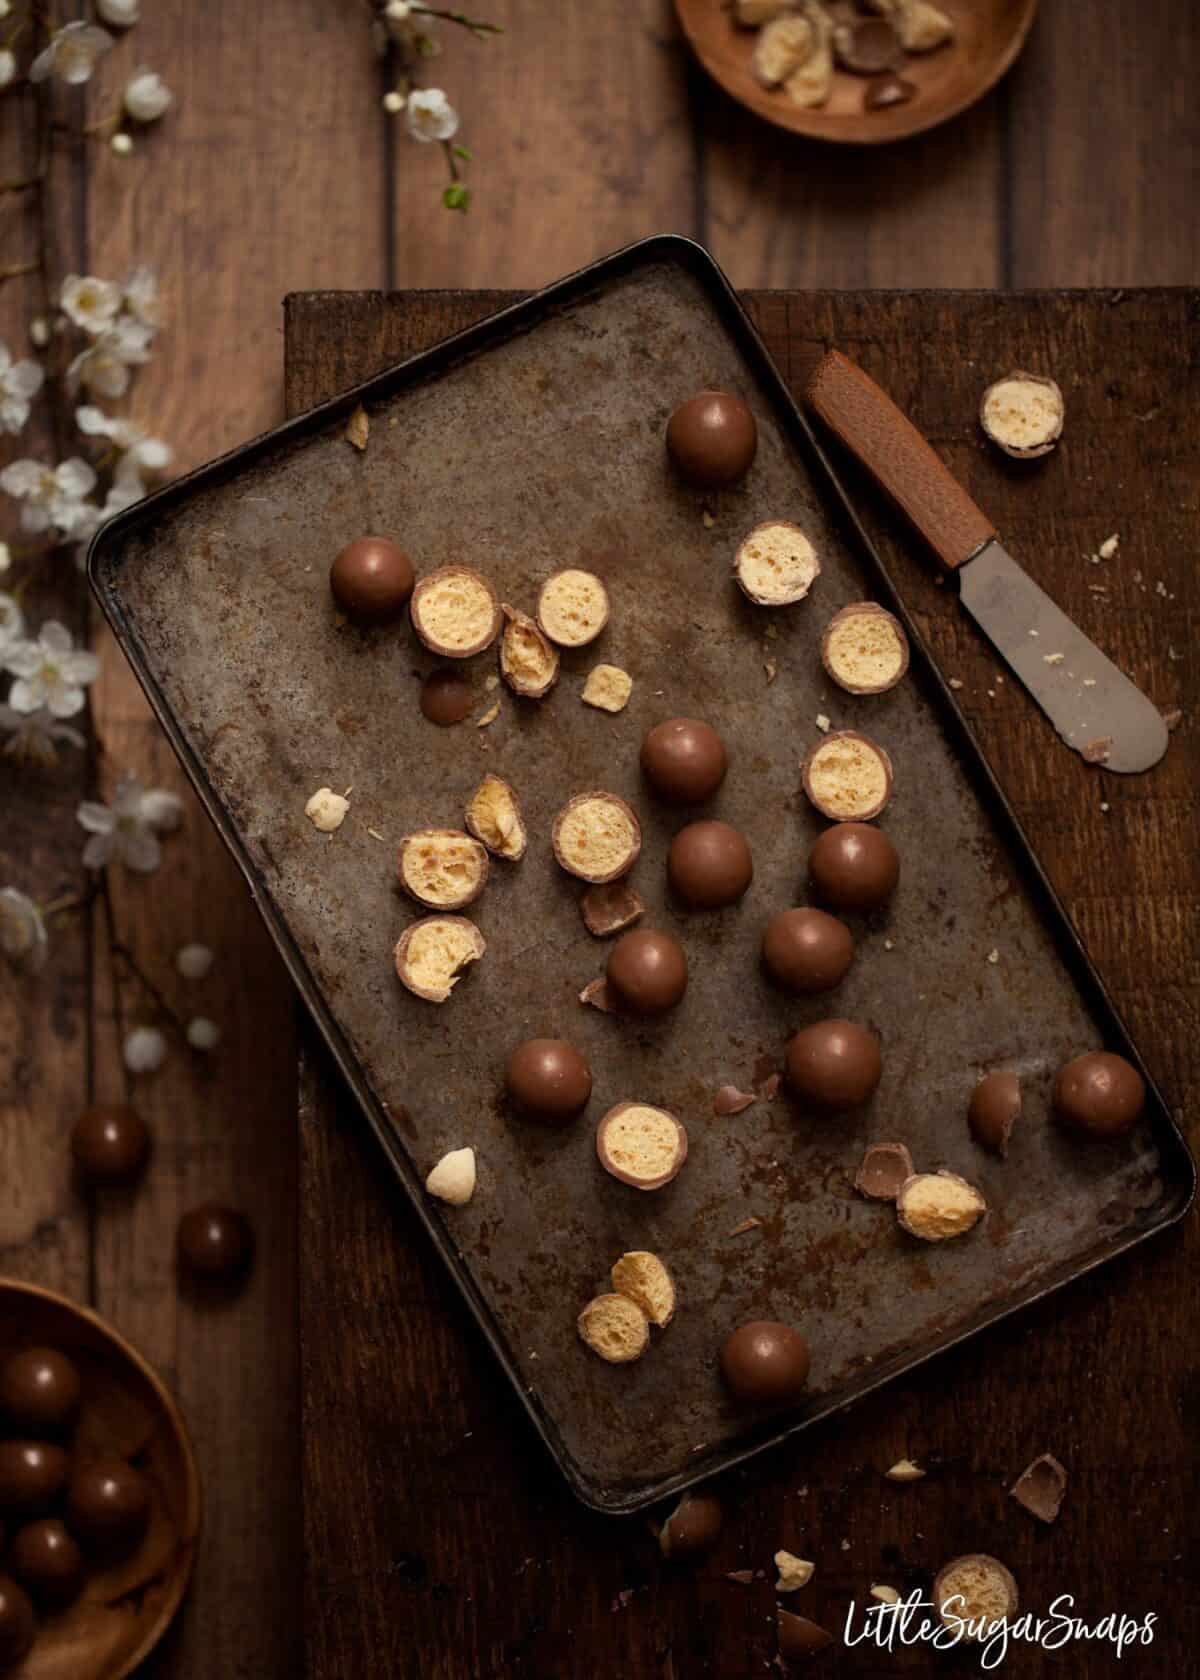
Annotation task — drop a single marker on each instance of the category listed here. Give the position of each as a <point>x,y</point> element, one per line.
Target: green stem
<point>477,26</point>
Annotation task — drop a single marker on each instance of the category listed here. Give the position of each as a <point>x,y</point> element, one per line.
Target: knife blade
<point>1093,705</point>
<point>1095,708</point>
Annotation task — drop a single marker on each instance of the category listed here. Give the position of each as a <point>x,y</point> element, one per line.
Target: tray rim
<point>103,567</point>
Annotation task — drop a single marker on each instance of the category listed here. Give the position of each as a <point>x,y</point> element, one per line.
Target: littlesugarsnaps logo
<point>918,1621</point>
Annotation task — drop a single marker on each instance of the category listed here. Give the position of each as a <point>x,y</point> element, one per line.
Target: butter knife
<point>1092,705</point>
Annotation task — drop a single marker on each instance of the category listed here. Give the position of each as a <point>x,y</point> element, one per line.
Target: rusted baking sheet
<point>527,443</point>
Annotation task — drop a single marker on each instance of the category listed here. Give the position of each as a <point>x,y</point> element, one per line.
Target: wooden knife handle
<point>894,452</point>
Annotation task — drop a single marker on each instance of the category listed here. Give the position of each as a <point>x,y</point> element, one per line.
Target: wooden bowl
<point>126,1606</point>
<point>988,36</point>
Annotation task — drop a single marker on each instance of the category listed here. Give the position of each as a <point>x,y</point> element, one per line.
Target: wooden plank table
<point>440,1542</point>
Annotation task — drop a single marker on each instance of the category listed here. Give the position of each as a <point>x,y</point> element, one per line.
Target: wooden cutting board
<point>440,1541</point>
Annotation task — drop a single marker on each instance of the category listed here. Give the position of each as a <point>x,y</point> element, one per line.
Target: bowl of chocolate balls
<point>99,1494</point>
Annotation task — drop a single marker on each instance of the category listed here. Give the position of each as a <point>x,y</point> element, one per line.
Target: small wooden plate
<point>988,36</point>
<point>126,1607</point>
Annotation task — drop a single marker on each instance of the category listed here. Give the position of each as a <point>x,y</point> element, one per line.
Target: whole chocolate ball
<point>108,1505</point>
<point>807,951</point>
<point>214,1244</point>
<point>835,1065</point>
<point>548,1079</point>
<point>684,760</point>
<point>994,1107</point>
<point>854,866</point>
<point>17,1625</point>
<point>371,580</point>
<point>709,865</point>
<point>765,1364</point>
<point>39,1390</point>
<point>712,438</point>
<point>446,697</point>
<point>47,1562</point>
<point>32,1475</point>
<point>647,971</point>
<point>694,1526</point>
<point>110,1145</point>
<point>1099,1093</point>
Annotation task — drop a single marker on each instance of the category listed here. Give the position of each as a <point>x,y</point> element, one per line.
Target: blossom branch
<point>478,27</point>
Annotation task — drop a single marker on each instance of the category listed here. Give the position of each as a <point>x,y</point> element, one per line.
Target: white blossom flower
<point>92,304</point>
<point>72,54</point>
<point>394,102</point>
<point>104,366</point>
<point>146,95</point>
<point>121,14</point>
<point>120,832</point>
<point>12,621</point>
<point>142,452</point>
<point>22,930</point>
<point>203,1034</point>
<point>33,736</point>
<point>121,143</point>
<point>39,332</point>
<point>431,115</point>
<point>144,1050</point>
<point>50,672</point>
<point>142,298</point>
<point>194,961</point>
<point>20,382</point>
<point>161,811</point>
<point>397,11</point>
<point>5,557</point>
<point>51,497</point>
<point>8,66</point>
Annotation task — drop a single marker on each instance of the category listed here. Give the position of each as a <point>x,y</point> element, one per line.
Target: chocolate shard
<point>800,1639</point>
<point>729,1100</point>
<point>1040,1488</point>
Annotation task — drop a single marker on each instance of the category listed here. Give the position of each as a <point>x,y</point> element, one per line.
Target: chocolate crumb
<point>746,1225</point>
<point>769,1089</point>
<point>1040,1487</point>
<point>358,430</point>
<point>743,1577</point>
<point>729,1100</point>
<point>1173,718</point>
<point>1096,752</point>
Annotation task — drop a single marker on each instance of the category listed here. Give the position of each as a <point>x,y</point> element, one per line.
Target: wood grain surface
<point>440,1542</point>
<point>276,170</point>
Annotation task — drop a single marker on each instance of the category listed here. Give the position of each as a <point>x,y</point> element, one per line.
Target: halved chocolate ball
<point>835,1065</point>
<point>647,971</point>
<point>548,1079</point>
<point>1100,1094</point>
<point>371,580</point>
<point>712,439</point>
<point>854,866</point>
<point>764,1363</point>
<point>806,951</point>
<point>684,760</point>
<point>709,865</point>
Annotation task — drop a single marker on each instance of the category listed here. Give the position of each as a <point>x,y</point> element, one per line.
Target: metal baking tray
<point>531,441</point>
